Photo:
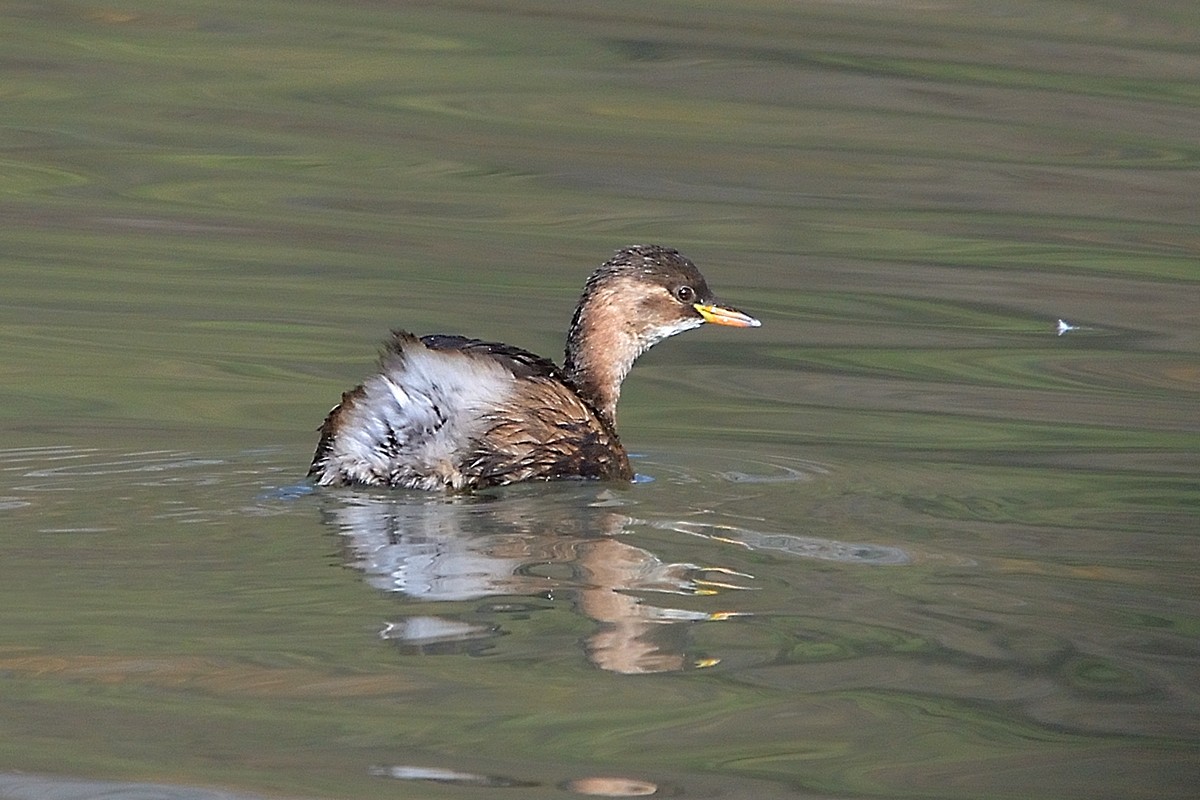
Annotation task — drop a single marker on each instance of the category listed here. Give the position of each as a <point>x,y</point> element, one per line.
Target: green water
<point>904,540</point>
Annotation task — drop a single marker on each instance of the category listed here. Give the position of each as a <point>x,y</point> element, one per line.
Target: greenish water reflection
<point>903,541</point>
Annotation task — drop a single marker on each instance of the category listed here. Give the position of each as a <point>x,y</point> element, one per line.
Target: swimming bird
<point>449,412</point>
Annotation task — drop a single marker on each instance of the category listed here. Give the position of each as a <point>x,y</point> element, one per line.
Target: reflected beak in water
<point>719,315</point>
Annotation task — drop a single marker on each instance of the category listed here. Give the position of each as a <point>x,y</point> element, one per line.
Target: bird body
<point>449,412</point>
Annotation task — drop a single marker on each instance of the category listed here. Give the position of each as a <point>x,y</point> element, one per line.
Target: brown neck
<point>600,352</point>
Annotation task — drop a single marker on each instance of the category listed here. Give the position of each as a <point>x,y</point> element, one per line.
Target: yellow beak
<point>719,315</point>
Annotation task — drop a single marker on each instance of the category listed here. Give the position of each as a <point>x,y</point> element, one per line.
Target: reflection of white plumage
<point>462,549</point>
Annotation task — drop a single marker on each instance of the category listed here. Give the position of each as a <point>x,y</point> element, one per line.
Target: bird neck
<point>600,352</point>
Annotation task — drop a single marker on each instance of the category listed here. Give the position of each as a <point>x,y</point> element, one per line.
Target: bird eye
<point>685,294</point>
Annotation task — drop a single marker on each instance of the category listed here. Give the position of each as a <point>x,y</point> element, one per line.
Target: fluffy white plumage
<point>415,406</point>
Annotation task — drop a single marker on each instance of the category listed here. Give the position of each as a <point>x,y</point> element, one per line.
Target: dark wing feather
<point>522,363</point>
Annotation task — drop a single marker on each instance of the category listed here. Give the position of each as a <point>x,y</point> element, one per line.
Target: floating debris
<point>1065,327</point>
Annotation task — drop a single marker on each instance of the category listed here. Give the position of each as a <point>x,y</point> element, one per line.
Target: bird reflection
<point>565,545</point>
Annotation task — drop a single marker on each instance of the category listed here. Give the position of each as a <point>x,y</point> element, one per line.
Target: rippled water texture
<point>930,532</point>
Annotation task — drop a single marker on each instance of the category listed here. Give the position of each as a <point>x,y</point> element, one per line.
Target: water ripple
<point>153,461</point>
<point>802,546</point>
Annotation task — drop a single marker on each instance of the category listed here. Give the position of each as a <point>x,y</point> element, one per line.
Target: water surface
<point>911,538</point>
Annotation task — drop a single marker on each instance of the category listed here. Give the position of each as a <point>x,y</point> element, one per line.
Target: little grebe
<point>451,412</point>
